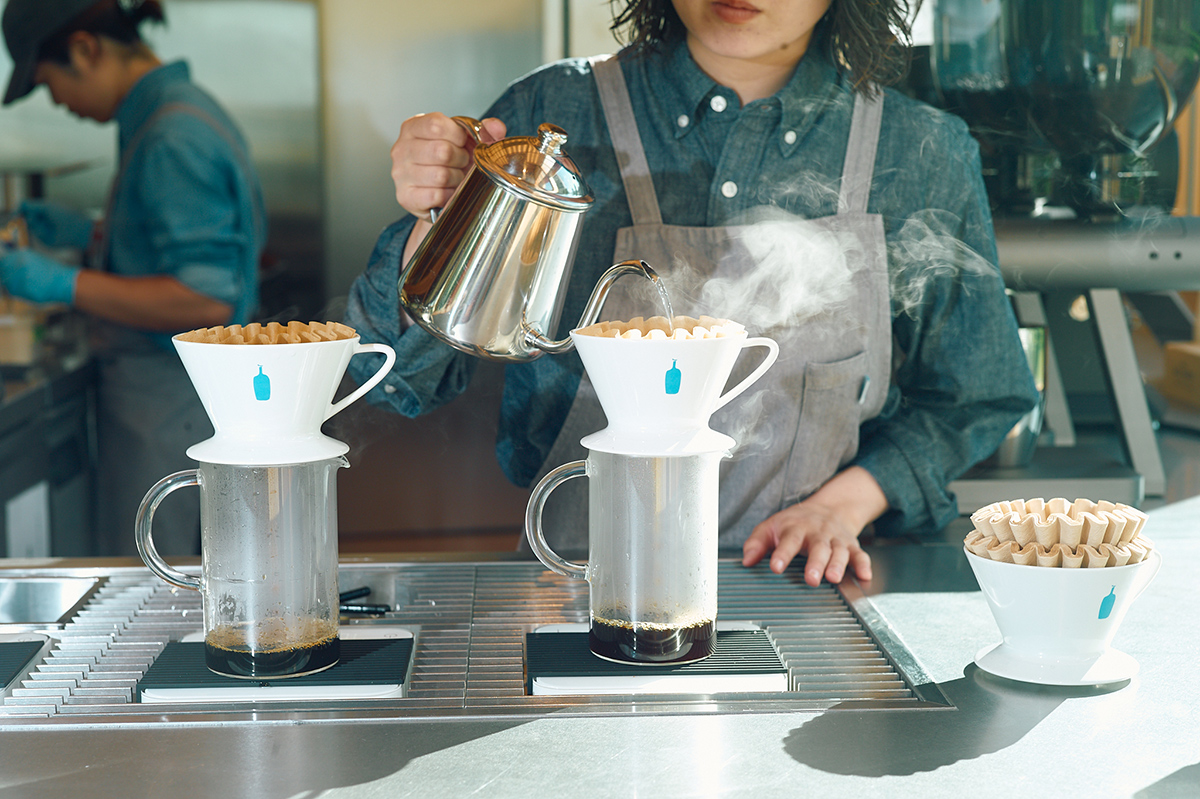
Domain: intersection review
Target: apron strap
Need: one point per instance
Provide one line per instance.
(859, 167)
(622, 129)
(97, 254)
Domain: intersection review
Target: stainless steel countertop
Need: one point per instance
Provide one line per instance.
(1004, 739)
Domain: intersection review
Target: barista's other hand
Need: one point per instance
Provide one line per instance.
(431, 157)
(812, 528)
(56, 225)
(826, 526)
(37, 278)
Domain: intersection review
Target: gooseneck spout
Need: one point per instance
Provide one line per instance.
(592, 310)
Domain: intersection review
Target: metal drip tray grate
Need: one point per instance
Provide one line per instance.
(470, 622)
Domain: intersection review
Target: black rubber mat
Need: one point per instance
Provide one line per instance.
(567, 654)
(381, 661)
(14, 657)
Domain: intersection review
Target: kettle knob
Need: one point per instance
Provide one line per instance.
(551, 138)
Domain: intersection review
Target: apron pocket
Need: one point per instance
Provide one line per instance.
(827, 435)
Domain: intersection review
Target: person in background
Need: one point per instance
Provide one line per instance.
(177, 248)
(728, 107)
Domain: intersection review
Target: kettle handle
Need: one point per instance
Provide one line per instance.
(475, 128)
(533, 520)
(472, 126)
(592, 310)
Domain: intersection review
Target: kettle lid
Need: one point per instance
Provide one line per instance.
(536, 168)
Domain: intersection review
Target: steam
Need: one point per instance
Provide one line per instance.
(928, 250)
(805, 271)
(742, 421)
(802, 269)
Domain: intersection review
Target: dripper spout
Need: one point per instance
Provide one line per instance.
(592, 310)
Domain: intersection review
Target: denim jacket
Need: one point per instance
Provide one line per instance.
(189, 203)
(960, 379)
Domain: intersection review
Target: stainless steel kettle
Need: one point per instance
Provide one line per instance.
(490, 277)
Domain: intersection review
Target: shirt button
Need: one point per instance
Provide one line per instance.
(682, 121)
(729, 189)
(789, 137)
(717, 103)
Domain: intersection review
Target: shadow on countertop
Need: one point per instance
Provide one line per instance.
(266, 762)
(1182, 784)
(990, 714)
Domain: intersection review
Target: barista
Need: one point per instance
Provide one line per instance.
(874, 409)
(177, 249)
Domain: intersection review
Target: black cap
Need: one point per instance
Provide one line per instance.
(27, 25)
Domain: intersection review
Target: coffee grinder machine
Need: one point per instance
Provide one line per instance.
(1073, 103)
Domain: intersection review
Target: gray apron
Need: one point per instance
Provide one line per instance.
(147, 414)
(800, 421)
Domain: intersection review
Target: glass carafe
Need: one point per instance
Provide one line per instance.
(269, 575)
(652, 553)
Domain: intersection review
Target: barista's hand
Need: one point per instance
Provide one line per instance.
(37, 278)
(56, 225)
(432, 157)
(825, 526)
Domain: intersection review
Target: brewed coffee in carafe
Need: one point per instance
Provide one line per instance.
(652, 557)
(269, 577)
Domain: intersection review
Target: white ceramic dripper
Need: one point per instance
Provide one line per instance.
(1058, 624)
(267, 401)
(658, 394)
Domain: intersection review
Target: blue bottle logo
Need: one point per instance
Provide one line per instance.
(673, 378)
(1106, 604)
(262, 386)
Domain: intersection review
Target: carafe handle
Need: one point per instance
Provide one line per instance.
(533, 520)
(145, 519)
(389, 358)
(772, 354)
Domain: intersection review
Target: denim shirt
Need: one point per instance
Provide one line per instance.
(960, 379)
(189, 203)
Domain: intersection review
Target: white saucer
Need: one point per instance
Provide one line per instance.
(1111, 667)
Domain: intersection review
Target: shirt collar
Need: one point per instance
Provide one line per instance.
(146, 96)
(814, 85)
(684, 84)
(685, 88)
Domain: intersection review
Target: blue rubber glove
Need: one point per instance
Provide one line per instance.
(37, 278)
(56, 225)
